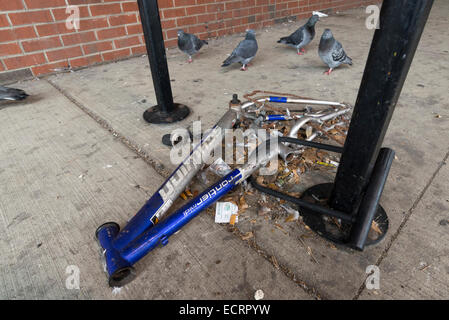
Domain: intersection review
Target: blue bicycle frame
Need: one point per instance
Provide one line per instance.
(119, 258)
(121, 247)
(119, 261)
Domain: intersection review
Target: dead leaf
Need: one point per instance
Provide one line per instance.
(294, 194)
(275, 262)
(280, 228)
(308, 131)
(247, 236)
(425, 267)
(260, 180)
(263, 210)
(295, 177)
(375, 227)
(243, 205)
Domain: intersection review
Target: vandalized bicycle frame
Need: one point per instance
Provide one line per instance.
(148, 228)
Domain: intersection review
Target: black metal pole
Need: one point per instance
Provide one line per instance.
(166, 111)
(392, 50)
(370, 204)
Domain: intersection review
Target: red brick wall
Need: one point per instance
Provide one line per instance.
(34, 37)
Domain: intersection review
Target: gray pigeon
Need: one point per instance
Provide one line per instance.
(303, 36)
(244, 52)
(11, 94)
(331, 52)
(189, 43)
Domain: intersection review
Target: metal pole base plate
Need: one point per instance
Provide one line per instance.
(156, 115)
(331, 228)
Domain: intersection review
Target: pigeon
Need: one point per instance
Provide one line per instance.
(331, 52)
(244, 52)
(303, 36)
(189, 43)
(11, 94)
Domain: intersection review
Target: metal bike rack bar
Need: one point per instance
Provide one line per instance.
(354, 196)
(166, 111)
(392, 50)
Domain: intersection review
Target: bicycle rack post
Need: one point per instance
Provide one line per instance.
(166, 111)
(392, 50)
(353, 199)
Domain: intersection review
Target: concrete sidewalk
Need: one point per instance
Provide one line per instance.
(73, 154)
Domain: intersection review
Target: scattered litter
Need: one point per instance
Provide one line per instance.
(61, 69)
(203, 177)
(375, 227)
(278, 226)
(309, 131)
(189, 193)
(116, 290)
(225, 211)
(309, 250)
(423, 266)
(275, 262)
(220, 168)
(294, 214)
(242, 205)
(263, 211)
(107, 166)
(247, 187)
(247, 236)
(326, 164)
(259, 295)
